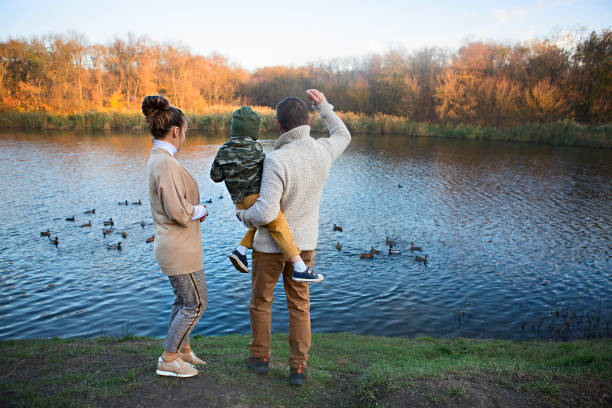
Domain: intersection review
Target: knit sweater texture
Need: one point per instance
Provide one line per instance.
(292, 182)
(174, 193)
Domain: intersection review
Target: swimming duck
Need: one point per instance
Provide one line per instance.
(399, 186)
(337, 228)
(374, 251)
(209, 201)
(389, 242)
(124, 234)
(221, 197)
(123, 202)
(338, 246)
(93, 211)
(70, 218)
(54, 241)
(86, 225)
(109, 222)
(151, 238)
(142, 224)
(415, 248)
(105, 232)
(46, 233)
(114, 246)
(421, 259)
(394, 251)
(366, 255)
(137, 202)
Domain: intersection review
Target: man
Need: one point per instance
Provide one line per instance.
(292, 182)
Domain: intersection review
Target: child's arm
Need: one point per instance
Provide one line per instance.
(216, 172)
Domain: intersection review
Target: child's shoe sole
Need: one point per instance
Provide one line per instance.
(320, 279)
(238, 265)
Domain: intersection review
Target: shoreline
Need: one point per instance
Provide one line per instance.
(344, 370)
(218, 120)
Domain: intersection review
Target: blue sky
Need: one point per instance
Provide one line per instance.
(255, 34)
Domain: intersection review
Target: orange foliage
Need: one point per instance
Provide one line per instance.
(482, 83)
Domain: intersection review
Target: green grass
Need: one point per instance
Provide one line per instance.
(217, 120)
(343, 368)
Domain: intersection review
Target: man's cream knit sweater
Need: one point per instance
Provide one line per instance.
(292, 182)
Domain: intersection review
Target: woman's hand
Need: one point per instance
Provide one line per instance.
(205, 214)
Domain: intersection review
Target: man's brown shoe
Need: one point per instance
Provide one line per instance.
(257, 364)
(297, 375)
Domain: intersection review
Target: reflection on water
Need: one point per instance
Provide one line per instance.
(517, 238)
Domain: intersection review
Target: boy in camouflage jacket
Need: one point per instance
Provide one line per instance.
(239, 162)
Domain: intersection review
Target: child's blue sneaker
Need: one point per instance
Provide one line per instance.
(307, 276)
(240, 261)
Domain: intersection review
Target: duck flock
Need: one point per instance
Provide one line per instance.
(108, 227)
(393, 250)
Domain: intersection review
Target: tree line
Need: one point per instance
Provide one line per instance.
(482, 83)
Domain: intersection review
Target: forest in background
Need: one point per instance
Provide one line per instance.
(482, 83)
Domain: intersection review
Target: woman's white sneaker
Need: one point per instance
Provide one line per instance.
(175, 368)
(191, 358)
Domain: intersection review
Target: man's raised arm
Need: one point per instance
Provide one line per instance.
(339, 136)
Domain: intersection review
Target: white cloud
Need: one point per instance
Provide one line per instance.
(505, 16)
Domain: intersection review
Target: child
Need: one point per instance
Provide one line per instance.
(239, 162)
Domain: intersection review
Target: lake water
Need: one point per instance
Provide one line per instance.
(518, 238)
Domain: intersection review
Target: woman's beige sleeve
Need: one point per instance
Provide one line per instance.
(173, 196)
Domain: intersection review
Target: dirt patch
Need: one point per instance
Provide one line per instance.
(491, 390)
(199, 391)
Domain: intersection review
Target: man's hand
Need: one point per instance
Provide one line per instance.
(239, 215)
(316, 97)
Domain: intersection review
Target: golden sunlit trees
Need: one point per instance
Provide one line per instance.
(483, 83)
(546, 101)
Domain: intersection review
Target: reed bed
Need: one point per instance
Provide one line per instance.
(217, 119)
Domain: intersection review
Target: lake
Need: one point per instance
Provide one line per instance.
(518, 239)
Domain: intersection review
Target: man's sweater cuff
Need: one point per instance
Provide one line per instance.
(324, 108)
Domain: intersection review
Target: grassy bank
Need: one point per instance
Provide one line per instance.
(217, 120)
(344, 370)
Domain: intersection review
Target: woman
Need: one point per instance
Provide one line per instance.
(175, 198)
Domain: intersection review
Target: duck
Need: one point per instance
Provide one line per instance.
(209, 201)
(338, 246)
(114, 246)
(374, 251)
(389, 242)
(221, 197)
(86, 225)
(399, 186)
(151, 238)
(337, 228)
(54, 241)
(109, 222)
(366, 255)
(92, 211)
(70, 218)
(123, 202)
(394, 251)
(137, 202)
(414, 248)
(142, 224)
(421, 259)
(105, 232)
(46, 233)
(124, 234)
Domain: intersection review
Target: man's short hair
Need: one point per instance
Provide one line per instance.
(291, 112)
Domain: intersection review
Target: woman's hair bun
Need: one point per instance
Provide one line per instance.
(153, 103)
